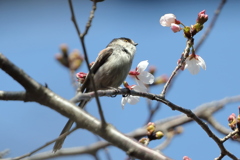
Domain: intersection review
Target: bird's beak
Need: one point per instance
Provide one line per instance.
(135, 44)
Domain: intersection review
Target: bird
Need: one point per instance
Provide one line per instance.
(109, 70)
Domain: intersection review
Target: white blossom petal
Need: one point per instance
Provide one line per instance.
(192, 66)
(146, 77)
(140, 88)
(194, 69)
(140, 83)
(142, 66)
(124, 101)
(133, 99)
(202, 63)
(167, 19)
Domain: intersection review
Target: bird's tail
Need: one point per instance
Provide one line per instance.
(58, 144)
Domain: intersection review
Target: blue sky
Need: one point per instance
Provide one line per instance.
(32, 31)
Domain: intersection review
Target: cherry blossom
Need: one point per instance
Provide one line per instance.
(129, 98)
(167, 20)
(193, 63)
(141, 76)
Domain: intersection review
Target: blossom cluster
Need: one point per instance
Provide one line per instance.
(170, 20)
(193, 62)
(72, 61)
(234, 123)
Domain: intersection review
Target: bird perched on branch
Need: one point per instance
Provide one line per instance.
(109, 70)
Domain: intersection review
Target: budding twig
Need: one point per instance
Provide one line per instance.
(81, 37)
(213, 22)
(229, 135)
(94, 7)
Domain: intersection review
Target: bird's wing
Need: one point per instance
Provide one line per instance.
(101, 59)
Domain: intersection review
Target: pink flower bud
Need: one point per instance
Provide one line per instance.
(202, 17)
(175, 28)
(232, 121)
(231, 118)
(186, 158)
(81, 76)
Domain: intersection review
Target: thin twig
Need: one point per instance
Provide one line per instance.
(105, 149)
(47, 144)
(211, 120)
(81, 37)
(210, 27)
(204, 126)
(220, 157)
(90, 18)
(186, 52)
(152, 111)
(90, 150)
(229, 135)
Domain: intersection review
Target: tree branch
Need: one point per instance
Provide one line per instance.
(163, 125)
(14, 96)
(91, 150)
(17, 74)
(190, 114)
(46, 97)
